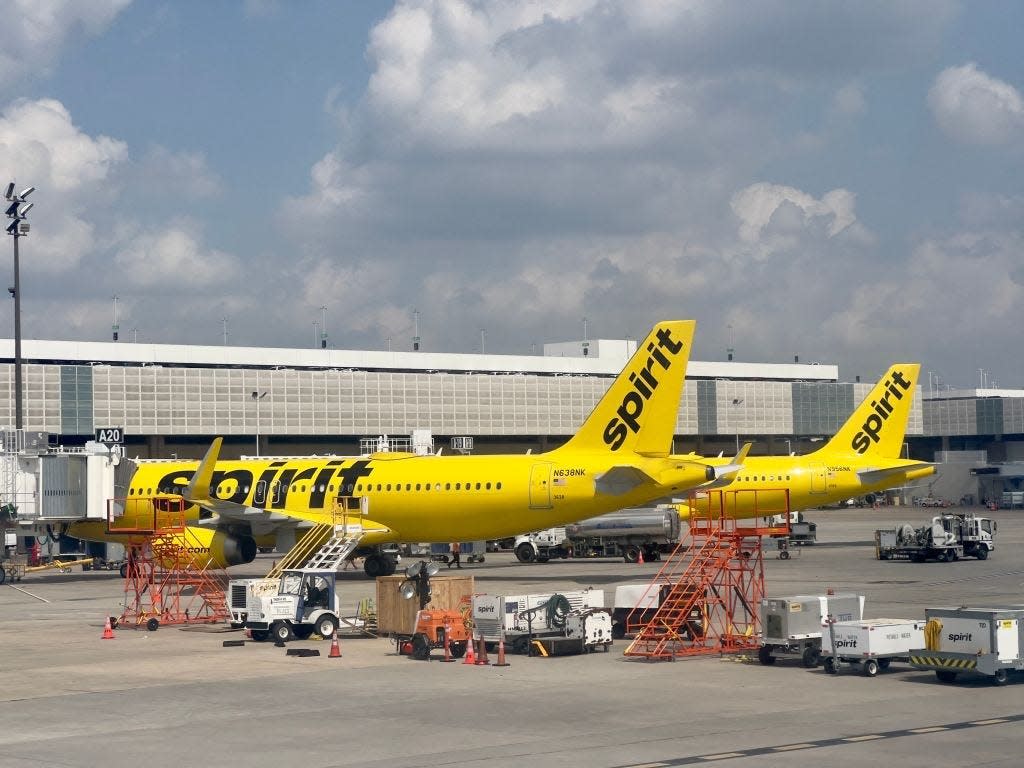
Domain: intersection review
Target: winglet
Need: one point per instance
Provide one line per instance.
(198, 489)
(724, 473)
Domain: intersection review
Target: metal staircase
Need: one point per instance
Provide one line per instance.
(710, 588)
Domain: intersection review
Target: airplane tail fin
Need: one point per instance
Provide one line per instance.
(878, 425)
(638, 412)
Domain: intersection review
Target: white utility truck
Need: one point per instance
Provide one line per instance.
(869, 644)
(792, 625)
(986, 641)
(947, 538)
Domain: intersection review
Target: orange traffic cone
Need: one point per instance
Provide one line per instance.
(481, 657)
(469, 658)
(108, 631)
(501, 653)
(640, 557)
(335, 647)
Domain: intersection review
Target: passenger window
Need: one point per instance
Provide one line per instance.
(497, 487)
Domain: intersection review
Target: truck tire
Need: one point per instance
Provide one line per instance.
(945, 675)
(830, 665)
(811, 657)
(631, 554)
(281, 631)
(870, 667)
(764, 655)
(525, 553)
(981, 552)
(457, 649)
(950, 556)
(326, 626)
(420, 647)
(1000, 677)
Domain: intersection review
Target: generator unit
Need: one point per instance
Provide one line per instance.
(518, 618)
(792, 625)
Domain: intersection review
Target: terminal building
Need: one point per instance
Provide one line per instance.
(169, 401)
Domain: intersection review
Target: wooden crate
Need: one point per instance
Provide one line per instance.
(397, 616)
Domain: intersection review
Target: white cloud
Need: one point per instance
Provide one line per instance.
(790, 212)
(178, 173)
(34, 32)
(174, 259)
(975, 108)
(39, 142)
(40, 146)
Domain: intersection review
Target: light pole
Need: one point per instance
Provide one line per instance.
(18, 227)
(256, 397)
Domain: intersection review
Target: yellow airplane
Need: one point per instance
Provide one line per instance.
(862, 458)
(619, 458)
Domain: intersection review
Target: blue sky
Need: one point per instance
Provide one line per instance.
(838, 181)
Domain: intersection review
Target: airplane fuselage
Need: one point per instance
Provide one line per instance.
(422, 498)
(768, 485)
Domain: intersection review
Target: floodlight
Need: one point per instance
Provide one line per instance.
(414, 570)
(432, 569)
(26, 192)
(408, 589)
(10, 191)
(12, 209)
(24, 209)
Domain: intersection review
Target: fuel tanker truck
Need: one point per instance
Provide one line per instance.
(628, 533)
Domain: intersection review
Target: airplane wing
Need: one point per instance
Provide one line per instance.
(198, 492)
(872, 476)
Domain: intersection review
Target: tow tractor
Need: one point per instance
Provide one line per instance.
(302, 602)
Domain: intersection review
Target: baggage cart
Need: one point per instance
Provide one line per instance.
(792, 625)
(984, 641)
(869, 645)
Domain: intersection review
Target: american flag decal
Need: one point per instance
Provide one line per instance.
(560, 481)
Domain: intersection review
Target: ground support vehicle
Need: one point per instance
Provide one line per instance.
(636, 604)
(801, 532)
(586, 630)
(519, 619)
(12, 569)
(301, 602)
(432, 629)
(628, 533)
(792, 625)
(869, 645)
(986, 641)
(947, 538)
(469, 552)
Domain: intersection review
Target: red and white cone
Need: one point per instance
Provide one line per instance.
(640, 557)
(470, 657)
(108, 631)
(335, 647)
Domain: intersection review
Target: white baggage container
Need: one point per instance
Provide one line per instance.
(792, 625)
(870, 643)
(988, 641)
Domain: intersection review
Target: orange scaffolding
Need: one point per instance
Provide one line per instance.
(170, 577)
(710, 588)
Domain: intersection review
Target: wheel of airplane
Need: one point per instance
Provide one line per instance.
(374, 566)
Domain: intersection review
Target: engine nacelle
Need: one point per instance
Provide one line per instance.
(230, 549)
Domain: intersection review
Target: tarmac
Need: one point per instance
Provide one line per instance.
(178, 697)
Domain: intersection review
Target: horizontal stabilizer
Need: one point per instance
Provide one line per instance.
(872, 476)
(619, 480)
